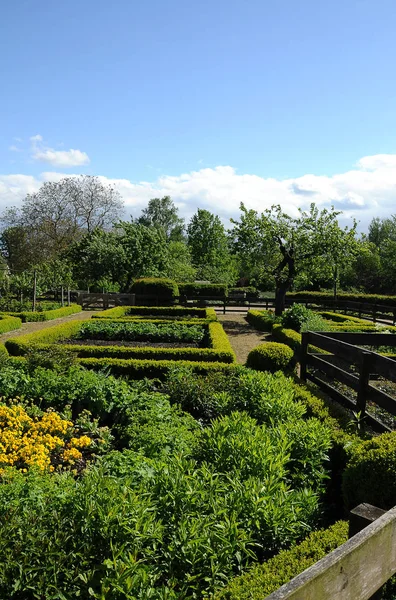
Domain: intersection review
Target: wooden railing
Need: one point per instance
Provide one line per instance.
(354, 571)
(358, 366)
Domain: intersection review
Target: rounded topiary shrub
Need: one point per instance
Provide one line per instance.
(271, 356)
(370, 475)
(165, 290)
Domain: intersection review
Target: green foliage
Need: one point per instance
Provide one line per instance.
(164, 289)
(57, 358)
(152, 369)
(287, 336)
(270, 356)
(300, 318)
(370, 475)
(157, 312)
(48, 315)
(261, 319)
(163, 214)
(180, 266)
(265, 396)
(141, 331)
(203, 289)
(209, 247)
(261, 580)
(9, 323)
(321, 297)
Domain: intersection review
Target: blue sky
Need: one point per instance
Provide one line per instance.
(213, 102)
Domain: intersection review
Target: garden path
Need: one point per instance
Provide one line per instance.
(243, 337)
(31, 327)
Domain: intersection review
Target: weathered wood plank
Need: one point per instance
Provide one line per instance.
(364, 338)
(336, 346)
(354, 571)
(333, 371)
(382, 399)
(382, 365)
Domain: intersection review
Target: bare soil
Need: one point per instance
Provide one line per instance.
(243, 337)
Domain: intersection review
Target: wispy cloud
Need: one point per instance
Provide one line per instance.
(57, 158)
(366, 191)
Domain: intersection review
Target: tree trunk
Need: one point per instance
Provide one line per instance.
(280, 296)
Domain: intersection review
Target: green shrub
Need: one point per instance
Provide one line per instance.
(261, 580)
(203, 289)
(261, 319)
(370, 475)
(251, 292)
(162, 288)
(270, 356)
(328, 298)
(48, 315)
(300, 318)
(157, 312)
(287, 336)
(264, 396)
(152, 369)
(9, 323)
(339, 318)
(141, 331)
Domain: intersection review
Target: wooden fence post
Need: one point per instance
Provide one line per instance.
(359, 518)
(303, 357)
(364, 378)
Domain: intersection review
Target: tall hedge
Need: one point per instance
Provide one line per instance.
(164, 289)
(320, 297)
(218, 290)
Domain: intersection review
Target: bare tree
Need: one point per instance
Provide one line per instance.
(60, 213)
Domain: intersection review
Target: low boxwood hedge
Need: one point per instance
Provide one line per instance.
(320, 297)
(271, 356)
(370, 475)
(9, 323)
(340, 318)
(151, 369)
(260, 319)
(287, 336)
(157, 312)
(47, 315)
(219, 350)
(261, 580)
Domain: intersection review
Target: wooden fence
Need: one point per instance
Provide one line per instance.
(354, 571)
(361, 365)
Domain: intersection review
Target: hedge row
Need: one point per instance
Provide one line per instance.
(166, 289)
(203, 289)
(47, 315)
(219, 350)
(320, 297)
(260, 319)
(152, 369)
(340, 318)
(157, 311)
(271, 356)
(9, 323)
(261, 580)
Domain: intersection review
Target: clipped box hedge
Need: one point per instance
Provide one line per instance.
(152, 369)
(320, 297)
(270, 356)
(218, 290)
(260, 319)
(9, 323)
(47, 315)
(120, 312)
(261, 580)
(219, 349)
(370, 475)
(163, 288)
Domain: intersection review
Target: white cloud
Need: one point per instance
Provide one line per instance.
(57, 158)
(14, 149)
(366, 191)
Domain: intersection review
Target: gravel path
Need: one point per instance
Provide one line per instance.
(31, 327)
(243, 337)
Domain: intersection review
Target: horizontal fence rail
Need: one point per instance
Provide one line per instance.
(324, 353)
(376, 312)
(354, 571)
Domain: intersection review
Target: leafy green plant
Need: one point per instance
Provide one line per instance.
(301, 318)
(270, 356)
(153, 332)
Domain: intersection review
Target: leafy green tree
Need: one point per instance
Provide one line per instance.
(162, 213)
(180, 266)
(284, 246)
(382, 233)
(209, 247)
(364, 271)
